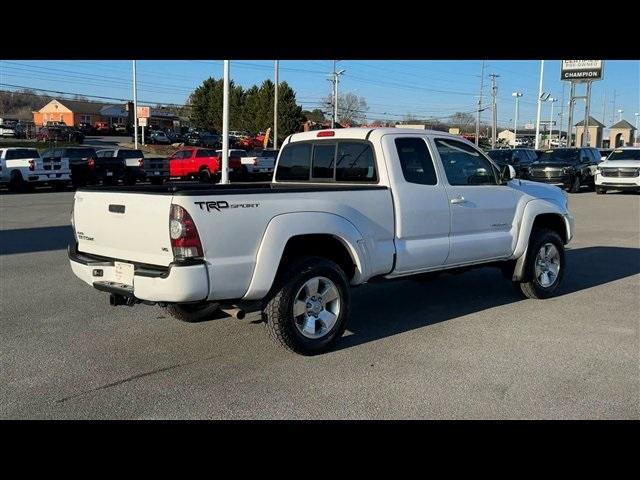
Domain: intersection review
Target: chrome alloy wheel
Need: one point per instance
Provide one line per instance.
(316, 307)
(547, 265)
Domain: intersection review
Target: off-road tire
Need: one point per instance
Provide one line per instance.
(277, 312)
(530, 286)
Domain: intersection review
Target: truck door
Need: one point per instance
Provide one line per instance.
(482, 210)
(420, 202)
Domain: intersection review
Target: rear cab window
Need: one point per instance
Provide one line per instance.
(130, 154)
(341, 161)
(22, 153)
(206, 153)
(415, 161)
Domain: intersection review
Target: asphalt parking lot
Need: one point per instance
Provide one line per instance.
(462, 346)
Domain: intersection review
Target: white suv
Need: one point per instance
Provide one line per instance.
(620, 171)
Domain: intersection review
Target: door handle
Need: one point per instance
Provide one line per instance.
(458, 200)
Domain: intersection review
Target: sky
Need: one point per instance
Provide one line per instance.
(392, 89)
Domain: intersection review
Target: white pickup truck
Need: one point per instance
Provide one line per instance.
(255, 163)
(345, 207)
(24, 167)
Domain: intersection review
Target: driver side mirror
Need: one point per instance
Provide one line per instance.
(508, 173)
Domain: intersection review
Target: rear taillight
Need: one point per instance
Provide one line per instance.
(185, 240)
(32, 165)
(141, 163)
(91, 163)
(73, 224)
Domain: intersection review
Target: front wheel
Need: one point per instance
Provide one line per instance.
(575, 185)
(308, 308)
(545, 265)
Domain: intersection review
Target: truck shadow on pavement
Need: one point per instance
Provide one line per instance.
(40, 239)
(382, 310)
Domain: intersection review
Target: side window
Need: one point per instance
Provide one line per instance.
(355, 163)
(415, 160)
(464, 165)
(294, 163)
(207, 153)
(323, 161)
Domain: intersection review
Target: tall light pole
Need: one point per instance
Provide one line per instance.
(539, 104)
(275, 110)
(552, 100)
(620, 112)
(515, 121)
(224, 178)
(135, 108)
(494, 103)
(336, 75)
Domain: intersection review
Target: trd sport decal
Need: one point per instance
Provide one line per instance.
(222, 204)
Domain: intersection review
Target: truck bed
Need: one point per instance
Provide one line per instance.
(199, 189)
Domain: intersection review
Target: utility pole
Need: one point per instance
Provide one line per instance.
(494, 94)
(539, 104)
(613, 110)
(224, 178)
(572, 101)
(552, 100)
(604, 108)
(275, 110)
(479, 104)
(587, 106)
(135, 108)
(561, 115)
(336, 74)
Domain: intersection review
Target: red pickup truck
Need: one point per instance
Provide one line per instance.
(202, 163)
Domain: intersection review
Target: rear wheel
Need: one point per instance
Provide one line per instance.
(307, 310)
(129, 179)
(545, 265)
(205, 175)
(16, 182)
(193, 312)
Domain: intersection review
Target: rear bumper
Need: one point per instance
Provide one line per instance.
(177, 283)
(258, 169)
(48, 177)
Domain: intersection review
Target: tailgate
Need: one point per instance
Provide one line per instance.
(156, 164)
(266, 162)
(125, 226)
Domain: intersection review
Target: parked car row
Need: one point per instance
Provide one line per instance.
(80, 166)
(59, 133)
(574, 168)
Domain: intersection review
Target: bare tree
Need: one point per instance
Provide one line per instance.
(464, 121)
(352, 109)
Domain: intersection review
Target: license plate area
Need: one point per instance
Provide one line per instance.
(124, 273)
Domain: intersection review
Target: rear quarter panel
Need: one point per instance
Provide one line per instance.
(232, 236)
